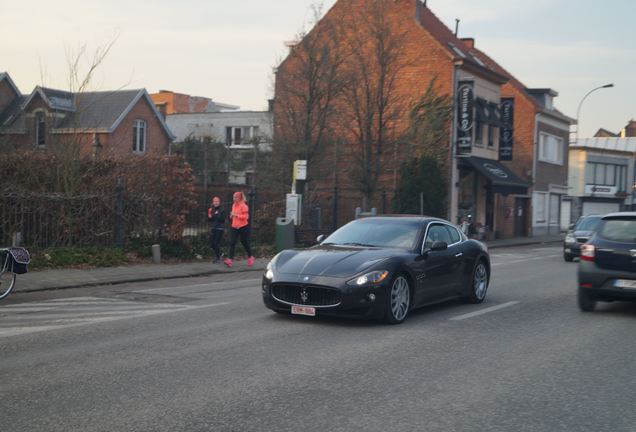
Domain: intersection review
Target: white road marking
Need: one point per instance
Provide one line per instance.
(484, 311)
(178, 289)
(18, 319)
(525, 259)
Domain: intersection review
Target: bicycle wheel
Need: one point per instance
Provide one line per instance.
(7, 278)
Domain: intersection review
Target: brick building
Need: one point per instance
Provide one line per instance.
(169, 102)
(540, 137)
(94, 124)
(481, 185)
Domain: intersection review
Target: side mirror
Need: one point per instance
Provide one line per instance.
(321, 238)
(571, 227)
(439, 246)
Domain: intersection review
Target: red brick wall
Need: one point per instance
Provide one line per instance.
(120, 142)
(117, 144)
(424, 58)
(523, 135)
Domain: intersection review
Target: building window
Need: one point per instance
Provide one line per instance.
(540, 206)
(551, 149)
(600, 174)
(241, 135)
(139, 136)
(40, 130)
(479, 131)
(492, 135)
(555, 205)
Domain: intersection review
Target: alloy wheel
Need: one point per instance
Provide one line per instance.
(480, 281)
(400, 298)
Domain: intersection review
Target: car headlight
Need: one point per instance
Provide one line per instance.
(269, 270)
(372, 278)
(570, 239)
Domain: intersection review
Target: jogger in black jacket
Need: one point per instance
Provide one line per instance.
(216, 219)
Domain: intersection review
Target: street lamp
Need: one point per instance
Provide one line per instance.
(578, 111)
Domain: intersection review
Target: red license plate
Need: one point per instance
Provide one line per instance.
(303, 310)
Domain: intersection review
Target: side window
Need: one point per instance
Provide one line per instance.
(454, 235)
(435, 233)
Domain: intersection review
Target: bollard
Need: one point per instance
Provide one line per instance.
(156, 254)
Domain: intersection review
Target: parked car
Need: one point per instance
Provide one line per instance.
(607, 270)
(579, 233)
(379, 267)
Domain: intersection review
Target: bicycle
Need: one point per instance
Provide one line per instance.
(13, 261)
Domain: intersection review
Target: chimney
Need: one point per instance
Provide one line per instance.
(630, 129)
(469, 42)
(162, 108)
(270, 105)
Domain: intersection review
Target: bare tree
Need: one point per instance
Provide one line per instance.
(429, 123)
(308, 83)
(81, 72)
(373, 103)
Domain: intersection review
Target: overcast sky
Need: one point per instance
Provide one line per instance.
(226, 49)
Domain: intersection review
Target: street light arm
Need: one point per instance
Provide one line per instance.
(578, 110)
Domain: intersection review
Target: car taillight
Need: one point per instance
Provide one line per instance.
(588, 252)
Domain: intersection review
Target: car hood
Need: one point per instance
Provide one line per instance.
(582, 233)
(331, 261)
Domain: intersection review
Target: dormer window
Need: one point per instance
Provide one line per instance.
(139, 136)
(40, 130)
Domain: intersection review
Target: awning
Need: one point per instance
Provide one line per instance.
(502, 180)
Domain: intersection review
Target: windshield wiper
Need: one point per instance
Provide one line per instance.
(358, 244)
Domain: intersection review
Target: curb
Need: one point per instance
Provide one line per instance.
(212, 272)
(528, 243)
(17, 290)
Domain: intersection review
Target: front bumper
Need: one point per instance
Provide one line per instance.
(599, 282)
(573, 249)
(355, 302)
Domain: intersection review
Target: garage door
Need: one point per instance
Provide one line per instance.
(599, 208)
(566, 214)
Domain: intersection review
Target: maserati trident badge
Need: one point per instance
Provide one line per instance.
(304, 296)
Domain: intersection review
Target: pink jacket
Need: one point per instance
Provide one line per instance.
(241, 214)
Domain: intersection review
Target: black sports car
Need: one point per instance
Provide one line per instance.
(379, 267)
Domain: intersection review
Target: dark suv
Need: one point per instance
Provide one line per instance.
(579, 233)
(607, 271)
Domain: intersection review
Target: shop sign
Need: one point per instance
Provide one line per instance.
(465, 113)
(600, 190)
(507, 130)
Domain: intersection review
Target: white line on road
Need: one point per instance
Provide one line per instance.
(484, 311)
(241, 281)
(525, 259)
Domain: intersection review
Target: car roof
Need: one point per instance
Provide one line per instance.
(620, 214)
(408, 217)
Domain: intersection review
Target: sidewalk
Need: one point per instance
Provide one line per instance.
(75, 278)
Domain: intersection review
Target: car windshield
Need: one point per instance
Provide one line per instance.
(390, 233)
(619, 230)
(587, 224)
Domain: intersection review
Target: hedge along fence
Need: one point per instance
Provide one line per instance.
(51, 202)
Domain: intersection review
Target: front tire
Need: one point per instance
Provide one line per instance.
(586, 301)
(7, 282)
(568, 257)
(398, 301)
(478, 283)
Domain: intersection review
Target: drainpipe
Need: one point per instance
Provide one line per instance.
(452, 190)
(535, 152)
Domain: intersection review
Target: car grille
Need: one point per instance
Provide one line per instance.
(582, 240)
(309, 295)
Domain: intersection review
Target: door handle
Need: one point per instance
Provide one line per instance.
(457, 255)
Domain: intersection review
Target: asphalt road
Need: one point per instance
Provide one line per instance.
(205, 355)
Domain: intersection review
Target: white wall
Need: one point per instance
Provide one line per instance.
(213, 125)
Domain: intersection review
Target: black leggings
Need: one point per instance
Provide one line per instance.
(215, 241)
(244, 234)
